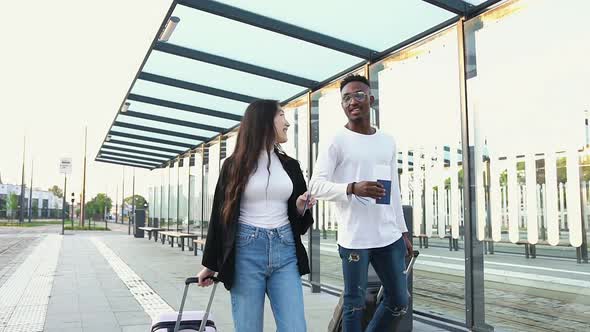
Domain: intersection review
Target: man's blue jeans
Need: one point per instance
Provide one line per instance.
(389, 263)
(266, 265)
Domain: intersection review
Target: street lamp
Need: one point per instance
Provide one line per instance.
(169, 29)
(125, 107)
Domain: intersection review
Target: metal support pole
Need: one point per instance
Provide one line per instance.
(178, 192)
(82, 203)
(72, 208)
(31, 193)
(584, 247)
(188, 207)
(123, 199)
(21, 217)
(314, 234)
(117, 206)
(105, 217)
(63, 208)
(474, 269)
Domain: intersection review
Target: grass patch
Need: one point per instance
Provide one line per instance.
(29, 224)
(99, 226)
(85, 228)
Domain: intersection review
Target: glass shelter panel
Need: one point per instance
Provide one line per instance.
(528, 106)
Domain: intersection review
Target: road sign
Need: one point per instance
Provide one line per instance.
(65, 166)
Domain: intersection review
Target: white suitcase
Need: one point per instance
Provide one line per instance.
(189, 321)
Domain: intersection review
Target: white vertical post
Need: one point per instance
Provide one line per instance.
(542, 204)
(428, 192)
(404, 178)
(495, 199)
(574, 212)
(551, 200)
(417, 188)
(561, 189)
(531, 199)
(585, 202)
(513, 200)
(440, 180)
(456, 199)
(480, 191)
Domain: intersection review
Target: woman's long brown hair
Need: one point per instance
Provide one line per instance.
(256, 134)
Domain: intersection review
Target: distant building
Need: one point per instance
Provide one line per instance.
(44, 202)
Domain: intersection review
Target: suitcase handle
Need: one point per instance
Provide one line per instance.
(187, 282)
(195, 280)
(415, 255)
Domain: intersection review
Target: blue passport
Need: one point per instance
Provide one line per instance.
(387, 198)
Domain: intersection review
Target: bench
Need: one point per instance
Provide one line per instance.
(179, 236)
(530, 250)
(197, 242)
(422, 240)
(453, 243)
(151, 230)
(579, 253)
(488, 246)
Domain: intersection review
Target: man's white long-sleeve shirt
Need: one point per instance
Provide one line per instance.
(353, 157)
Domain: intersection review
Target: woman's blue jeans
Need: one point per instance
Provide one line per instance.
(266, 265)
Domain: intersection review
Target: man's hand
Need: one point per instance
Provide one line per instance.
(409, 246)
(370, 189)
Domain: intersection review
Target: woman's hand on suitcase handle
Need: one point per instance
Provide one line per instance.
(204, 280)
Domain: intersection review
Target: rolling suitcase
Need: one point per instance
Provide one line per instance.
(189, 321)
(373, 297)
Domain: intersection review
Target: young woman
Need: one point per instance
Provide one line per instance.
(257, 219)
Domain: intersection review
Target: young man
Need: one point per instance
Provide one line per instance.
(371, 226)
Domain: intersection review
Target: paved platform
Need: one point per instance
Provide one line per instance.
(109, 281)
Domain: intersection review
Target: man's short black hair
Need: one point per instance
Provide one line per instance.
(354, 78)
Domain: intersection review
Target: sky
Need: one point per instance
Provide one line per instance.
(67, 65)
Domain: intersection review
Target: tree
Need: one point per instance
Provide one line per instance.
(459, 180)
(98, 205)
(57, 191)
(139, 201)
(12, 203)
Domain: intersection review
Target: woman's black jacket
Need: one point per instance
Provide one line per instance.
(219, 254)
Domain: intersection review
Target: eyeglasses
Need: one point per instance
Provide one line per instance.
(359, 96)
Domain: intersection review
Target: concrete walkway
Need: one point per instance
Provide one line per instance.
(109, 281)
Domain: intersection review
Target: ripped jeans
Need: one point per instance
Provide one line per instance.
(389, 263)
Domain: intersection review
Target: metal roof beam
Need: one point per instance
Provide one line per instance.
(184, 107)
(118, 148)
(154, 140)
(458, 7)
(287, 29)
(124, 163)
(104, 153)
(233, 64)
(144, 146)
(158, 131)
(196, 87)
(173, 121)
(130, 160)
